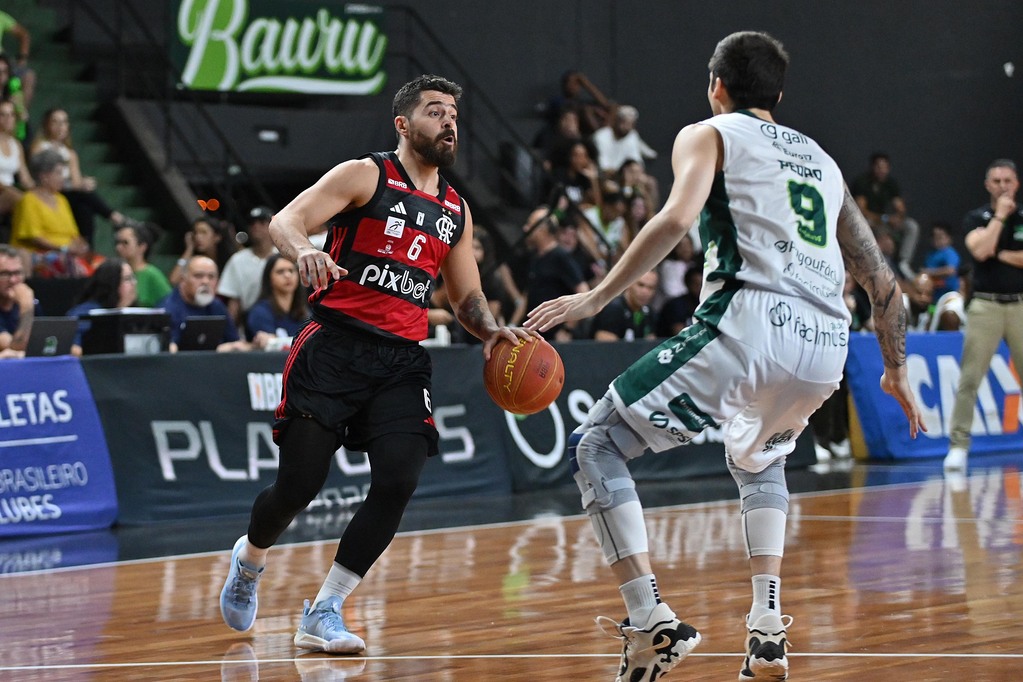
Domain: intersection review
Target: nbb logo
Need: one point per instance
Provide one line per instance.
(997, 410)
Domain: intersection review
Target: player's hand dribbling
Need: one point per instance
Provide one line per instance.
(316, 268)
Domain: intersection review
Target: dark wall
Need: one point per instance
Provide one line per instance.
(922, 80)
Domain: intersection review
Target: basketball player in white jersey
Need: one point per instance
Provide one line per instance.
(767, 346)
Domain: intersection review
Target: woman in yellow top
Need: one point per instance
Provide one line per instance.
(42, 218)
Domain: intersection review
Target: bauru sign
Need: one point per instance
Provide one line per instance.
(303, 46)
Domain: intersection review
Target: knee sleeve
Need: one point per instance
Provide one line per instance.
(765, 504)
(598, 458)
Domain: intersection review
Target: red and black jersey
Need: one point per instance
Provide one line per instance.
(393, 248)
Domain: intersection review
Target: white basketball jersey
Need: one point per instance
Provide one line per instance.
(770, 220)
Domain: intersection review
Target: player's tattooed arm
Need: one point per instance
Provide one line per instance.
(474, 314)
(865, 261)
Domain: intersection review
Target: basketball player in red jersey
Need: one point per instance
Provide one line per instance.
(356, 374)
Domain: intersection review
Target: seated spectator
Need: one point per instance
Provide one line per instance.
(889, 250)
(577, 175)
(210, 237)
(240, 284)
(12, 90)
(17, 304)
(507, 303)
(919, 302)
(196, 296)
(594, 110)
(677, 313)
(13, 168)
(629, 316)
(553, 142)
(282, 308)
(593, 267)
(80, 190)
(133, 244)
(606, 234)
(942, 261)
(44, 225)
(672, 270)
(949, 313)
(633, 180)
(552, 270)
(112, 285)
(879, 197)
(619, 143)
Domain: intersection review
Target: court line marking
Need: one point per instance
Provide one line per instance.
(468, 657)
(37, 441)
(708, 504)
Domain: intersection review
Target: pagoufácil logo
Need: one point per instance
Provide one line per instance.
(266, 46)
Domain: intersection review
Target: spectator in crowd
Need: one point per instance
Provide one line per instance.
(672, 270)
(593, 266)
(606, 230)
(553, 142)
(44, 225)
(133, 244)
(12, 90)
(17, 304)
(593, 111)
(638, 210)
(577, 175)
(552, 270)
(21, 70)
(507, 303)
(919, 298)
(879, 197)
(13, 169)
(620, 142)
(628, 317)
(632, 180)
(80, 190)
(210, 237)
(111, 285)
(677, 313)
(942, 262)
(282, 308)
(950, 308)
(196, 296)
(994, 238)
(239, 286)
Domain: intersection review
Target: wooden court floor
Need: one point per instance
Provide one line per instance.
(906, 581)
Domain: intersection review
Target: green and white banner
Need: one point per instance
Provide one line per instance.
(304, 46)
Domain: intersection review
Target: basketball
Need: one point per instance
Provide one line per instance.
(524, 378)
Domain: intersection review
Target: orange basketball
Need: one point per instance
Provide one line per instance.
(524, 378)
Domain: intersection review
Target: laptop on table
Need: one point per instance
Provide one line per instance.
(51, 336)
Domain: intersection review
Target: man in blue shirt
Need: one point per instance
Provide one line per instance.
(196, 296)
(17, 304)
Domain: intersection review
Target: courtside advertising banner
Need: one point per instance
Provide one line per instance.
(300, 46)
(191, 434)
(55, 471)
(932, 362)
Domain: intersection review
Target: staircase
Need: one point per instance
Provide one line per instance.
(61, 83)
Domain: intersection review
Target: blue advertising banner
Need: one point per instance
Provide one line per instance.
(55, 472)
(932, 361)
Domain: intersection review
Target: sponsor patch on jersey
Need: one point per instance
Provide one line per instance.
(398, 208)
(453, 206)
(395, 227)
(397, 183)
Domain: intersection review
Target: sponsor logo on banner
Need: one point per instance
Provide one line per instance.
(269, 46)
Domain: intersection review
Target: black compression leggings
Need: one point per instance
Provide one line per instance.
(396, 461)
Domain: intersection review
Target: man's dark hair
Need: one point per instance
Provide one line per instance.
(407, 97)
(752, 67)
(877, 156)
(1003, 163)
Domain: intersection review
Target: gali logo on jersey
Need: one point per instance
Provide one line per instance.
(445, 229)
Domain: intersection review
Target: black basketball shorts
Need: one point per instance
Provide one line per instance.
(358, 386)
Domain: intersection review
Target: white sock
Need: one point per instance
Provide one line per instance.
(766, 596)
(252, 555)
(641, 596)
(340, 582)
